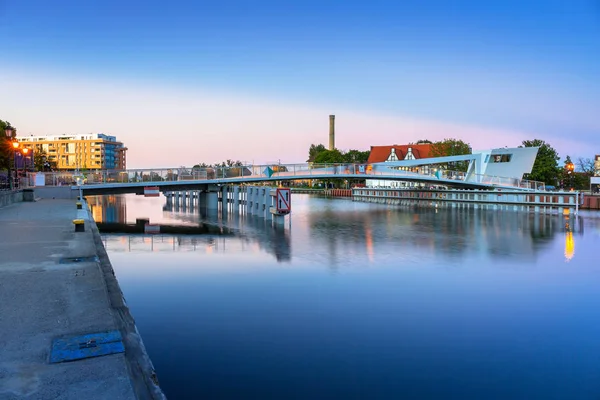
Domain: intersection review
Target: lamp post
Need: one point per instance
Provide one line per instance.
(570, 168)
(8, 131)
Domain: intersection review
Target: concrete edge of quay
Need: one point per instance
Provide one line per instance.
(9, 197)
(142, 374)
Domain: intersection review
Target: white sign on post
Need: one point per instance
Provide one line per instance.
(284, 200)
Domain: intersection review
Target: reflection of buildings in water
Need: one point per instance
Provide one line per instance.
(451, 232)
(108, 208)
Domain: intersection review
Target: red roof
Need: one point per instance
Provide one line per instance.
(381, 153)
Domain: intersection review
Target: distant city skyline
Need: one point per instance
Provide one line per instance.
(188, 82)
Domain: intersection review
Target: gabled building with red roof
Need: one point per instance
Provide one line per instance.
(396, 152)
(399, 152)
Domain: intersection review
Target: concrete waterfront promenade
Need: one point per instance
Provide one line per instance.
(45, 295)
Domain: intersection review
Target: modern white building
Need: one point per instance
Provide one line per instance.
(503, 162)
(501, 165)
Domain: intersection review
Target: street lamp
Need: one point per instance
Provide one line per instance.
(570, 168)
(8, 131)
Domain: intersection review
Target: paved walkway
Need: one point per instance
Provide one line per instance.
(42, 299)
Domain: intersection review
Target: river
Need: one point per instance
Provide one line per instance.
(362, 301)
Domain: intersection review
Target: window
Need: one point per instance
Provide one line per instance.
(500, 158)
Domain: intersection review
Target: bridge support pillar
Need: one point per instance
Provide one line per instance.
(212, 200)
(225, 198)
(248, 197)
(254, 200)
(236, 199)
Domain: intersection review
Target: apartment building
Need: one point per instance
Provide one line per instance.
(76, 152)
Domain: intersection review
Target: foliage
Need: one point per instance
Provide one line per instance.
(5, 147)
(581, 181)
(329, 157)
(356, 156)
(319, 154)
(424, 141)
(41, 162)
(223, 164)
(545, 168)
(314, 151)
(451, 147)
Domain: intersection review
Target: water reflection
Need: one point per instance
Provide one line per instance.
(453, 304)
(450, 233)
(338, 230)
(110, 208)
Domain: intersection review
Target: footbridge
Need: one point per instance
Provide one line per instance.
(181, 179)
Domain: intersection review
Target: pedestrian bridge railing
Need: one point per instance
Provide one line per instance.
(254, 173)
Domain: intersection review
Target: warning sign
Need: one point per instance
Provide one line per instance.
(284, 200)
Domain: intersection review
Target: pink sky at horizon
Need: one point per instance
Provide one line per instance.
(168, 126)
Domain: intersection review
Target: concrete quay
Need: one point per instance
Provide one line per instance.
(57, 283)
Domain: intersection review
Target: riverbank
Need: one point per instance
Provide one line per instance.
(56, 283)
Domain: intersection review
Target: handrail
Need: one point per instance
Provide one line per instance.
(274, 171)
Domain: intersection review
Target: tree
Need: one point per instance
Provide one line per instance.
(545, 168)
(40, 161)
(329, 157)
(5, 146)
(451, 147)
(424, 141)
(586, 165)
(356, 156)
(314, 151)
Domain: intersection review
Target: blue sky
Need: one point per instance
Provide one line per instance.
(392, 72)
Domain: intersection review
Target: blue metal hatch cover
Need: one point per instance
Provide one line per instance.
(86, 346)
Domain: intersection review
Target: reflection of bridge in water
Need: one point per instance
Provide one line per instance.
(255, 236)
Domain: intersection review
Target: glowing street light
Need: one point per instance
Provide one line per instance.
(570, 168)
(9, 131)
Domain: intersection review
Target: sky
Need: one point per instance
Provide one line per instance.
(184, 82)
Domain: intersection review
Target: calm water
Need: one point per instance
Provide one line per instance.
(359, 301)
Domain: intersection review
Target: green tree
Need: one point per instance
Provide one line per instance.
(424, 141)
(329, 157)
(5, 146)
(356, 156)
(314, 151)
(545, 168)
(40, 161)
(451, 147)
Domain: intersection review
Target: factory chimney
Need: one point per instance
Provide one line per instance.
(331, 132)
